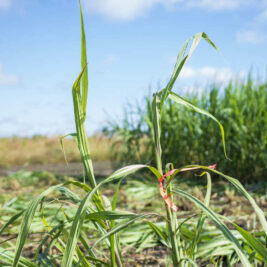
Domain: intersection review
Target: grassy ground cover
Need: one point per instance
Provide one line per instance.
(141, 246)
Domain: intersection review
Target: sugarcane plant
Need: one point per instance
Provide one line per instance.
(73, 239)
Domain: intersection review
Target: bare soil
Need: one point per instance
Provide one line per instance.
(103, 168)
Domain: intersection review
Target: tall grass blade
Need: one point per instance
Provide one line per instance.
(201, 220)
(74, 135)
(181, 60)
(83, 65)
(156, 128)
(177, 69)
(80, 131)
(113, 245)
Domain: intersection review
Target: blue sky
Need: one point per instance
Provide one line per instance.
(131, 45)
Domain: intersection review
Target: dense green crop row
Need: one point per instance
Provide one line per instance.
(189, 137)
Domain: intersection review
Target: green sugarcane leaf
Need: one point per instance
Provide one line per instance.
(189, 260)
(181, 60)
(253, 242)
(201, 220)
(83, 65)
(109, 215)
(8, 256)
(26, 223)
(219, 223)
(11, 220)
(74, 135)
(162, 236)
(81, 212)
(156, 128)
(116, 230)
(180, 100)
(243, 191)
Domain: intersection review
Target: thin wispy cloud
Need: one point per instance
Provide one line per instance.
(211, 74)
(251, 36)
(262, 17)
(7, 79)
(121, 9)
(218, 5)
(131, 9)
(111, 58)
(5, 3)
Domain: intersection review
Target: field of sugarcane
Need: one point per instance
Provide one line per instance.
(241, 107)
(161, 212)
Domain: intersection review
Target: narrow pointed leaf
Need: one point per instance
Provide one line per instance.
(7, 257)
(219, 223)
(177, 69)
(162, 236)
(83, 65)
(80, 130)
(11, 220)
(243, 191)
(179, 100)
(121, 226)
(74, 135)
(116, 230)
(81, 212)
(156, 127)
(26, 223)
(202, 218)
(181, 60)
(253, 242)
(109, 215)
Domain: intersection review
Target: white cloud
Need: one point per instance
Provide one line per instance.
(211, 74)
(121, 9)
(130, 9)
(262, 17)
(187, 72)
(217, 4)
(5, 3)
(110, 59)
(7, 79)
(250, 36)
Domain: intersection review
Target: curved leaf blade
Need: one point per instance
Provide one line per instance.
(243, 191)
(109, 215)
(83, 65)
(253, 242)
(81, 212)
(180, 100)
(181, 60)
(26, 223)
(220, 224)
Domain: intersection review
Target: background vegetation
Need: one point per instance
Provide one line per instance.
(189, 137)
(18, 151)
